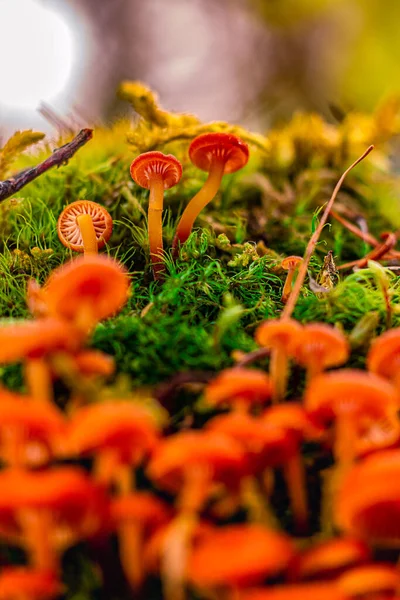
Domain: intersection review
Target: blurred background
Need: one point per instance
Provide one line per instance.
(249, 61)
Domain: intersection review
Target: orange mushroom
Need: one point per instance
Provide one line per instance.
(191, 463)
(157, 172)
(352, 398)
(119, 434)
(31, 342)
(384, 356)
(48, 511)
(367, 503)
(87, 290)
(290, 264)
(137, 517)
(319, 346)
(216, 153)
(29, 432)
(374, 581)
(327, 560)
(278, 335)
(84, 226)
(238, 556)
(239, 387)
(22, 583)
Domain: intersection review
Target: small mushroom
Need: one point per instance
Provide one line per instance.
(119, 434)
(84, 226)
(278, 335)
(384, 356)
(216, 153)
(23, 583)
(137, 517)
(370, 581)
(289, 264)
(48, 511)
(367, 502)
(319, 346)
(87, 290)
(328, 559)
(237, 556)
(157, 172)
(240, 387)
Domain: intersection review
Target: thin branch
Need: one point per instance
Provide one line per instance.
(59, 157)
(375, 254)
(291, 303)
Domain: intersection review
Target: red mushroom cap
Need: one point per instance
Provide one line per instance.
(146, 165)
(247, 385)
(147, 510)
(226, 146)
(320, 342)
(22, 582)
(68, 229)
(302, 591)
(238, 555)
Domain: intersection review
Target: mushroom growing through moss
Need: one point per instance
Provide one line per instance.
(278, 335)
(157, 172)
(216, 153)
(290, 264)
(84, 226)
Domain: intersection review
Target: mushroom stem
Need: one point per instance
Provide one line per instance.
(88, 233)
(36, 527)
(198, 202)
(38, 380)
(257, 504)
(345, 441)
(278, 369)
(130, 539)
(175, 555)
(154, 219)
(287, 288)
(295, 481)
(12, 446)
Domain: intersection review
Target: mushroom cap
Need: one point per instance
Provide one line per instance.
(238, 555)
(367, 580)
(367, 504)
(277, 333)
(180, 453)
(74, 501)
(34, 339)
(228, 147)
(68, 229)
(34, 422)
(384, 354)
(291, 262)
(301, 591)
(264, 446)
(328, 559)
(145, 508)
(247, 385)
(23, 582)
(378, 434)
(121, 425)
(322, 342)
(156, 163)
(94, 362)
(95, 281)
(350, 392)
(291, 417)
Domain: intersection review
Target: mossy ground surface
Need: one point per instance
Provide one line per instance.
(228, 277)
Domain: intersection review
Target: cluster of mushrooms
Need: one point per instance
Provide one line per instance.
(203, 517)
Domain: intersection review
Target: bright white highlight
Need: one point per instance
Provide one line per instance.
(36, 54)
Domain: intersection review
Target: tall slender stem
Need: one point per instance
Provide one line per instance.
(38, 380)
(198, 202)
(88, 233)
(288, 310)
(155, 224)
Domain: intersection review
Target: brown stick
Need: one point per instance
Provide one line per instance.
(375, 254)
(366, 237)
(59, 157)
(291, 303)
